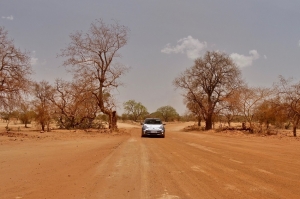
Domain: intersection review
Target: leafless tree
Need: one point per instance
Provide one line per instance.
(230, 106)
(249, 101)
(75, 107)
(42, 92)
(288, 98)
(209, 81)
(15, 70)
(93, 59)
(194, 109)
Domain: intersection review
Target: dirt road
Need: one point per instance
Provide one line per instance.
(182, 165)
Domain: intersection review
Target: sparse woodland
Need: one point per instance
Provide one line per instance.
(213, 90)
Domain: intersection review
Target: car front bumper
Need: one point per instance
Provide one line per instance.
(154, 132)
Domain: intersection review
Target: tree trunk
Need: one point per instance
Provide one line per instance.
(112, 116)
(208, 123)
(229, 123)
(199, 121)
(295, 124)
(114, 120)
(243, 126)
(209, 116)
(48, 127)
(295, 131)
(251, 130)
(43, 127)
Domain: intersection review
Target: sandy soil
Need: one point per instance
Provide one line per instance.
(62, 165)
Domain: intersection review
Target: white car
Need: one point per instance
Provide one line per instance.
(153, 126)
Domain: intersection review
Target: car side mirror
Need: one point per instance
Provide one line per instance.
(142, 123)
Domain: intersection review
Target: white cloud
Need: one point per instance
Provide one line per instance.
(8, 18)
(244, 61)
(34, 59)
(188, 45)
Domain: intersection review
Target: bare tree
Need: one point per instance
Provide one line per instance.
(268, 113)
(288, 98)
(75, 106)
(249, 101)
(195, 110)
(42, 92)
(230, 107)
(213, 78)
(93, 58)
(15, 70)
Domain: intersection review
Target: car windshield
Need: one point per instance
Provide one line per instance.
(152, 121)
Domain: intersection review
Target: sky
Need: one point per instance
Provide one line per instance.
(165, 37)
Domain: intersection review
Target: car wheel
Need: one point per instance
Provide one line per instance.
(162, 136)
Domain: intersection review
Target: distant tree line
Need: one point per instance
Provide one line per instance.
(136, 111)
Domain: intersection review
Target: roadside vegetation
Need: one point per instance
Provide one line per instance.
(214, 92)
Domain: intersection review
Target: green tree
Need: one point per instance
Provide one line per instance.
(155, 115)
(26, 114)
(8, 115)
(135, 110)
(168, 113)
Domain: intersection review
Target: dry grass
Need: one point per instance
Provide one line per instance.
(236, 130)
(17, 132)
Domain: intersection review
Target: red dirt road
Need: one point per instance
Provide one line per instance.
(182, 165)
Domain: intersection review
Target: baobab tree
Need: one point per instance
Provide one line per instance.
(209, 81)
(93, 56)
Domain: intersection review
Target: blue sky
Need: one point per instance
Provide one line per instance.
(261, 36)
